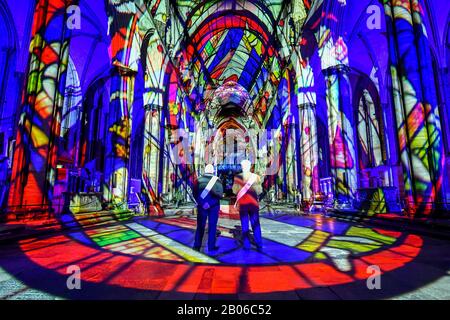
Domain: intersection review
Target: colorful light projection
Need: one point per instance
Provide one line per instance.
(417, 114)
(221, 46)
(131, 27)
(157, 255)
(124, 49)
(188, 50)
(235, 53)
(173, 79)
(34, 164)
(333, 53)
(307, 131)
(340, 134)
(171, 85)
(369, 132)
(155, 62)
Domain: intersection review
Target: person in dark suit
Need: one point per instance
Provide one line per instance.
(247, 187)
(208, 192)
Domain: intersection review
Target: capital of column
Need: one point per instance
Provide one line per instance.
(123, 69)
(152, 107)
(307, 105)
(337, 69)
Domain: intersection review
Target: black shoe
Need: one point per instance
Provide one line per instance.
(196, 248)
(213, 249)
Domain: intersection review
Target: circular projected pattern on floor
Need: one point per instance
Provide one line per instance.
(157, 254)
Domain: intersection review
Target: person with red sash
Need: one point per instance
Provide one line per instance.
(208, 192)
(247, 187)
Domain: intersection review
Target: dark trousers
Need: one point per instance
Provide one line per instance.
(212, 214)
(252, 213)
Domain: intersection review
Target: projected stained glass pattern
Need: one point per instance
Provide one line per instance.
(34, 169)
(418, 124)
(276, 68)
(156, 255)
(170, 239)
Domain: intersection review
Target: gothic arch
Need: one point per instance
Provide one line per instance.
(368, 115)
(8, 49)
(95, 100)
(8, 93)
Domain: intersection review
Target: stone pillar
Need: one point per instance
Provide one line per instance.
(34, 164)
(415, 107)
(291, 163)
(151, 156)
(430, 102)
(309, 150)
(341, 134)
(118, 142)
(151, 148)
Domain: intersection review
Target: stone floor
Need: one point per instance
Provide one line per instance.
(304, 257)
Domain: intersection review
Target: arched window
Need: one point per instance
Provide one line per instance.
(93, 130)
(369, 125)
(9, 94)
(71, 109)
(7, 64)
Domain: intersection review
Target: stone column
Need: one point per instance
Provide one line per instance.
(291, 163)
(415, 105)
(430, 102)
(119, 130)
(151, 156)
(309, 150)
(341, 134)
(35, 156)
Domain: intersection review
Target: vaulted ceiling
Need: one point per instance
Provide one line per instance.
(220, 42)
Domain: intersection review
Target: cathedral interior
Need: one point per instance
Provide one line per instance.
(110, 110)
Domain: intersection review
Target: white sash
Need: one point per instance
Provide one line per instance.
(209, 186)
(206, 191)
(245, 188)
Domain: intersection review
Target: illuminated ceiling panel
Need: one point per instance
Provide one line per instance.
(222, 41)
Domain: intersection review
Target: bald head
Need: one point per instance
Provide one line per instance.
(209, 169)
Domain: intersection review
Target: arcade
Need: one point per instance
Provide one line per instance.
(119, 106)
(110, 111)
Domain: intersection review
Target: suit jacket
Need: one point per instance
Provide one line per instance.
(214, 196)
